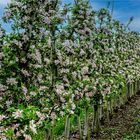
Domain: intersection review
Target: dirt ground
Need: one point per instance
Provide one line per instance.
(124, 125)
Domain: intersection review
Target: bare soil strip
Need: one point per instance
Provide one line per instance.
(124, 124)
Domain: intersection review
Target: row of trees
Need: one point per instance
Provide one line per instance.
(61, 62)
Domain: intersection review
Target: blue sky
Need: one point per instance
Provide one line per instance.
(123, 10)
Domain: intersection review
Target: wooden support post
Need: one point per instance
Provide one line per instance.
(52, 132)
(96, 125)
(108, 111)
(67, 128)
(79, 127)
(85, 132)
(47, 134)
(101, 109)
(128, 91)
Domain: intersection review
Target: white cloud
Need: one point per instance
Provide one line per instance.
(4, 2)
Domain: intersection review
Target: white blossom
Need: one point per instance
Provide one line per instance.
(25, 72)
(28, 137)
(25, 90)
(17, 114)
(2, 88)
(59, 89)
(53, 115)
(8, 103)
(47, 61)
(84, 70)
(82, 52)
(32, 126)
(33, 93)
(67, 43)
(2, 117)
(11, 81)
